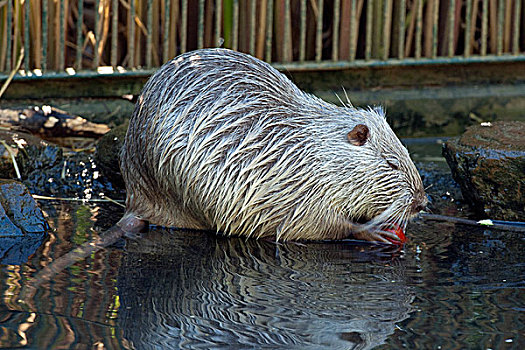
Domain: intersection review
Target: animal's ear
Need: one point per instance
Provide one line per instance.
(359, 135)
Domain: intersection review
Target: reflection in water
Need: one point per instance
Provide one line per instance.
(451, 287)
(190, 289)
(78, 306)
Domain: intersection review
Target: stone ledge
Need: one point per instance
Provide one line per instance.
(488, 162)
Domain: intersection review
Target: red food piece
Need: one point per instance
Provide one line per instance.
(398, 231)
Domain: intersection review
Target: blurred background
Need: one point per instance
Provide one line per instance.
(437, 65)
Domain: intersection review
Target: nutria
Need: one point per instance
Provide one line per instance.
(221, 141)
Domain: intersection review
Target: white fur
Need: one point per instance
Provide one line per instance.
(220, 140)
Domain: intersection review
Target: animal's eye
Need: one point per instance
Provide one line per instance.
(393, 163)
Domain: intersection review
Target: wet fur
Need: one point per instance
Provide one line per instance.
(222, 141)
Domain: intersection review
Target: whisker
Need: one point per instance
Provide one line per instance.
(341, 101)
(349, 105)
(395, 216)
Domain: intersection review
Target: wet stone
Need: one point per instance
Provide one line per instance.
(107, 155)
(488, 162)
(75, 175)
(20, 209)
(22, 224)
(17, 142)
(47, 170)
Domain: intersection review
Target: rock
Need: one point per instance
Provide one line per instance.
(45, 169)
(488, 162)
(74, 175)
(22, 224)
(19, 142)
(37, 158)
(107, 155)
(20, 209)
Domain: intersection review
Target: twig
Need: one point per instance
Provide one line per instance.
(13, 72)
(63, 173)
(114, 201)
(36, 196)
(10, 151)
(494, 224)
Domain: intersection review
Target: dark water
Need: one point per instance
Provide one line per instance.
(450, 287)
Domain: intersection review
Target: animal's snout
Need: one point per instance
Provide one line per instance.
(419, 202)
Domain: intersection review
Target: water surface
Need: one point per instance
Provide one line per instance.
(450, 287)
